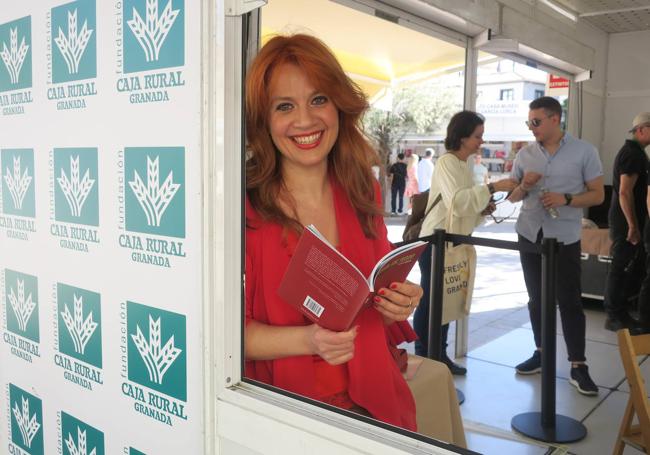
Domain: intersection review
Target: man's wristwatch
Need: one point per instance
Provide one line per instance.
(568, 197)
(491, 188)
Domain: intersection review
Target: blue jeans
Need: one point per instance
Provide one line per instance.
(569, 298)
(397, 194)
(421, 316)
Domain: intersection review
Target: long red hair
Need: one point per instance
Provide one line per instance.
(351, 157)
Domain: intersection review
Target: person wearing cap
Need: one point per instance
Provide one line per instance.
(627, 217)
(425, 171)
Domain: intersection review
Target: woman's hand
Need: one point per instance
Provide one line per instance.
(334, 347)
(491, 207)
(506, 185)
(398, 302)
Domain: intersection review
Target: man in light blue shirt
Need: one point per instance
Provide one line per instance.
(425, 171)
(559, 176)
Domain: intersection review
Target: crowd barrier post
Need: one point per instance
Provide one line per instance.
(546, 425)
(434, 349)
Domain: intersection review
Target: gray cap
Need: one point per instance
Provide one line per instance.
(639, 120)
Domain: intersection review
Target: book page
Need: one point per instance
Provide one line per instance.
(396, 265)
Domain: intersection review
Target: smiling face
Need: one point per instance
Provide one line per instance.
(303, 122)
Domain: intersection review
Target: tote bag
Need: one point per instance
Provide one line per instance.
(458, 281)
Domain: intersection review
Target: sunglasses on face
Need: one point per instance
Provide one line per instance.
(534, 122)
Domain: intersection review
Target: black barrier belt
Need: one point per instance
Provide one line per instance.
(544, 425)
(480, 241)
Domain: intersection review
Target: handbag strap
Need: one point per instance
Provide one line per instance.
(438, 199)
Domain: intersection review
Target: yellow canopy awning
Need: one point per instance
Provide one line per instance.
(374, 52)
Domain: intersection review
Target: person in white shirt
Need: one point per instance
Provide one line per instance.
(425, 171)
(480, 171)
(453, 181)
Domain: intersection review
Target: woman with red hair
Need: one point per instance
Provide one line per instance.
(309, 163)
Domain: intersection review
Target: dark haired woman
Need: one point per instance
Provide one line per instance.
(454, 181)
(309, 163)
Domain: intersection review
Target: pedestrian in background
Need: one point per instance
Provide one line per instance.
(425, 171)
(397, 173)
(627, 216)
(480, 171)
(412, 178)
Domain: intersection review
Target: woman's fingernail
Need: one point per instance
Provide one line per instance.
(393, 286)
(381, 292)
(376, 299)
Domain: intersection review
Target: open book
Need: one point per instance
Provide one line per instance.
(331, 291)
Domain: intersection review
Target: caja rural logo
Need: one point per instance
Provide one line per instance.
(21, 309)
(26, 422)
(16, 66)
(155, 343)
(153, 38)
(73, 54)
(152, 193)
(79, 340)
(79, 438)
(74, 186)
(18, 192)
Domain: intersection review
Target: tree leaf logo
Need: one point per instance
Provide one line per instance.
(154, 198)
(153, 30)
(22, 305)
(75, 189)
(80, 447)
(18, 183)
(80, 330)
(73, 45)
(14, 56)
(27, 424)
(157, 359)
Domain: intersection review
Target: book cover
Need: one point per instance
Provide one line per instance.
(331, 291)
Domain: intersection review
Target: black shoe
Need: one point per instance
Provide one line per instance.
(642, 329)
(614, 324)
(454, 368)
(581, 380)
(532, 365)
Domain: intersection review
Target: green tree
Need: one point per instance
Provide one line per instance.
(429, 106)
(424, 108)
(386, 129)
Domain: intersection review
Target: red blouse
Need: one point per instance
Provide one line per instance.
(384, 395)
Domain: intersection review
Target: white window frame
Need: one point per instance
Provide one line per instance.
(237, 398)
(223, 283)
(510, 92)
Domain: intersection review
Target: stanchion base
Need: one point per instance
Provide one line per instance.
(566, 429)
(461, 397)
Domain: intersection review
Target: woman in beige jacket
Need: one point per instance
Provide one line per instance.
(453, 181)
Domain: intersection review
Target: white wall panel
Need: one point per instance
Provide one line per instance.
(628, 91)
